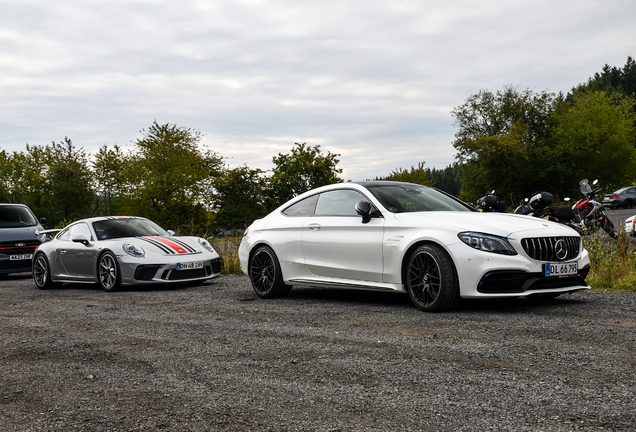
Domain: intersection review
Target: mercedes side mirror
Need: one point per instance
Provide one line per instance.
(363, 208)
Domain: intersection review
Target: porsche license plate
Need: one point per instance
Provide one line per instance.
(21, 257)
(190, 265)
(561, 269)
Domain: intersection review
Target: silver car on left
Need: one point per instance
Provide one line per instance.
(122, 250)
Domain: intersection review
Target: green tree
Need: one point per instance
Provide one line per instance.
(419, 175)
(448, 179)
(172, 177)
(594, 138)
(55, 181)
(113, 182)
(303, 169)
(24, 176)
(239, 197)
(6, 171)
(69, 183)
(610, 80)
(501, 142)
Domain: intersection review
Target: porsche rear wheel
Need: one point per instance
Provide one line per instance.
(42, 272)
(265, 274)
(108, 272)
(431, 280)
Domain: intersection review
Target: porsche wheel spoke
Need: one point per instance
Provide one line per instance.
(108, 272)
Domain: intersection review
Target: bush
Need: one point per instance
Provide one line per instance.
(613, 262)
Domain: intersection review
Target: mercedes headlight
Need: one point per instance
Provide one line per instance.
(134, 250)
(487, 243)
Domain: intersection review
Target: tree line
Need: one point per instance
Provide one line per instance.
(169, 177)
(515, 141)
(518, 141)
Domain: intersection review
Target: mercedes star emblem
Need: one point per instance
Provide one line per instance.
(561, 249)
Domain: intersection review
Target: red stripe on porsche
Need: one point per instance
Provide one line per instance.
(172, 245)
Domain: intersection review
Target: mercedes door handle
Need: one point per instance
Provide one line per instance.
(314, 226)
(62, 251)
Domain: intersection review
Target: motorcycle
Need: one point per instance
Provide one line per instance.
(540, 206)
(591, 211)
(491, 203)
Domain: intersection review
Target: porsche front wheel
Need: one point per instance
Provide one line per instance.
(265, 274)
(42, 272)
(431, 280)
(108, 272)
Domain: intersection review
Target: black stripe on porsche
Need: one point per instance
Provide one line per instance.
(160, 245)
(183, 245)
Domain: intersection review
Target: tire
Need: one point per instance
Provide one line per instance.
(108, 275)
(609, 228)
(628, 204)
(265, 274)
(42, 273)
(431, 280)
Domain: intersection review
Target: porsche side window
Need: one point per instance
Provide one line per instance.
(81, 229)
(338, 203)
(64, 235)
(302, 208)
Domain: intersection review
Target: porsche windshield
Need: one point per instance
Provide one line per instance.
(413, 198)
(13, 216)
(127, 227)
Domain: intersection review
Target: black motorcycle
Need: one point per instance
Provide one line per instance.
(540, 206)
(491, 203)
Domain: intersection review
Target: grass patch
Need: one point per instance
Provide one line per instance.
(227, 248)
(613, 262)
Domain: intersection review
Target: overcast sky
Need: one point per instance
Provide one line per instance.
(374, 81)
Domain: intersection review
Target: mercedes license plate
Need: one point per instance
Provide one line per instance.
(190, 265)
(21, 257)
(561, 269)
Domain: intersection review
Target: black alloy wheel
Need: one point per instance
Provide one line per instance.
(431, 280)
(108, 272)
(265, 274)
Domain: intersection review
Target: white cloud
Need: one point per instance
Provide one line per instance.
(373, 81)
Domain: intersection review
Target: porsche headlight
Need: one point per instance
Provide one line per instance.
(206, 244)
(134, 250)
(487, 243)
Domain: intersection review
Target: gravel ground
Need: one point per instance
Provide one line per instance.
(216, 357)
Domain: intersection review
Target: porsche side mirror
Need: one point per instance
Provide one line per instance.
(363, 208)
(172, 233)
(80, 238)
(43, 222)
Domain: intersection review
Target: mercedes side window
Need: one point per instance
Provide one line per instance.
(303, 207)
(338, 203)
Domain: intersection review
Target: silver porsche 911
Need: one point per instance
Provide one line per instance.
(123, 250)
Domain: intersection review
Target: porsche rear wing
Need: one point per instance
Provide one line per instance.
(48, 233)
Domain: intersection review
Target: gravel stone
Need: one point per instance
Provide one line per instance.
(215, 357)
